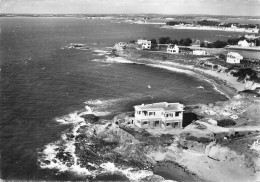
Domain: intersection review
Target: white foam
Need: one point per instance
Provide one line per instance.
(118, 60)
(131, 173)
(101, 51)
(70, 118)
(173, 69)
(215, 88)
(49, 154)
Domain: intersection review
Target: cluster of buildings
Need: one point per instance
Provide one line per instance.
(171, 48)
(232, 28)
(232, 57)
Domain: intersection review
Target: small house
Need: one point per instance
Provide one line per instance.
(234, 58)
(147, 45)
(173, 49)
(244, 43)
(163, 115)
(199, 52)
(141, 41)
(255, 145)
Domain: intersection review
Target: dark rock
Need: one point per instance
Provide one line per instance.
(63, 156)
(46, 162)
(91, 118)
(69, 136)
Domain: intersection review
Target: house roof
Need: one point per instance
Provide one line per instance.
(242, 41)
(172, 46)
(161, 105)
(235, 54)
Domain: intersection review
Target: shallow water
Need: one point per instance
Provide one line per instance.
(40, 83)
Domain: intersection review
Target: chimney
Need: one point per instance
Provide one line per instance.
(167, 104)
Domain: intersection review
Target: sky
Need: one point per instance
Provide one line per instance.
(213, 7)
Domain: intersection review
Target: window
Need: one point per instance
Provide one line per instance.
(166, 115)
(151, 113)
(177, 113)
(168, 124)
(145, 122)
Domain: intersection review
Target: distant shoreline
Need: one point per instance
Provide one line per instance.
(242, 30)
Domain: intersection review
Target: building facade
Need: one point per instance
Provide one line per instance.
(173, 49)
(199, 52)
(147, 44)
(244, 43)
(163, 115)
(234, 58)
(141, 41)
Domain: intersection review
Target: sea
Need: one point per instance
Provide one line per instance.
(43, 80)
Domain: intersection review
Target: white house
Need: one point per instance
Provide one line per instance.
(256, 145)
(162, 114)
(199, 52)
(173, 49)
(244, 43)
(141, 41)
(147, 45)
(234, 57)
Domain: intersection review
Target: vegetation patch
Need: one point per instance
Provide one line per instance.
(226, 122)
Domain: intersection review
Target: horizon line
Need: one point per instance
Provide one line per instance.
(127, 14)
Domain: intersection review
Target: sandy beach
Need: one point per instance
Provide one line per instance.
(223, 82)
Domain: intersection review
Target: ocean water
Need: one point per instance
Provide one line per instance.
(43, 82)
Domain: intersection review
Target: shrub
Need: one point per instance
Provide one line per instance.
(226, 122)
(201, 139)
(222, 56)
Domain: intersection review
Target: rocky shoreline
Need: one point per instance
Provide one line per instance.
(212, 148)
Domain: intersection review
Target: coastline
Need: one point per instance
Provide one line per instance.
(224, 83)
(242, 30)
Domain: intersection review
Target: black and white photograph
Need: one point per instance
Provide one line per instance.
(130, 90)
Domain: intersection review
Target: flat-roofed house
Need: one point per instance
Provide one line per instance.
(141, 41)
(173, 49)
(199, 52)
(234, 58)
(147, 44)
(162, 114)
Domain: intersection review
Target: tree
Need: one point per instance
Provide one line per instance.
(202, 44)
(168, 40)
(222, 56)
(219, 44)
(174, 41)
(164, 40)
(181, 42)
(153, 41)
(187, 42)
